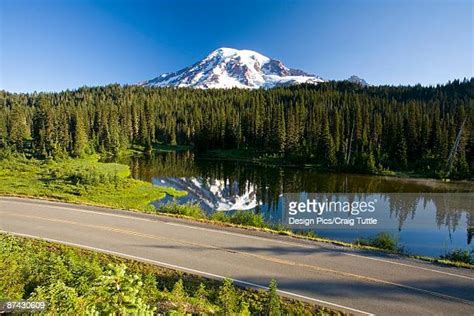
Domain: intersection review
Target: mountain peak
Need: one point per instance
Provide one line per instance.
(233, 68)
(226, 52)
(358, 80)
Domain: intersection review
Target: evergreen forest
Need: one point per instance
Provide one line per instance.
(335, 125)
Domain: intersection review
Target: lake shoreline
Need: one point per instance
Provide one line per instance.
(401, 176)
(228, 155)
(247, 156)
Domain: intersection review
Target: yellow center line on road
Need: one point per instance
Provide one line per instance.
(247, 254)
(345, 253)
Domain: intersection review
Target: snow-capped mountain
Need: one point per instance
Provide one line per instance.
(210, 194)
(232, 68)
(358, 80)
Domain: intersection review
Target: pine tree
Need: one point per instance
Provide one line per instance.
(370, 163)
(327, 147)
(228, 298)
(3, 129)
(281, 131)
(401, 151)
(119, 293)
(274, 304)
(79, 136)
(244, 309)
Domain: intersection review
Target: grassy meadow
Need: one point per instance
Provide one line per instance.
(81, 180)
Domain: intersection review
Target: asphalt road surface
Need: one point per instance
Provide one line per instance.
(354, 281)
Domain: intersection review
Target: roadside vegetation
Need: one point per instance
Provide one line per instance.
(79, 180)
(77, 281)
(241, 218)
(384, 241)
(188, 210)
(390, 243)
(460, 255)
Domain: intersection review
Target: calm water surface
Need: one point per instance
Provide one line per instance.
(425, 226)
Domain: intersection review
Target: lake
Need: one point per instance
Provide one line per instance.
(434, 218)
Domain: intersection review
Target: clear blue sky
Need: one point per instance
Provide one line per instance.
(51, 45)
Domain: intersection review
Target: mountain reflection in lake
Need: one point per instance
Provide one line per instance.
(425, 224)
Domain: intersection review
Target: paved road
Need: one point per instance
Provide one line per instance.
(352, 280)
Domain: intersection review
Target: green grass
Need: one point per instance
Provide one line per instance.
(82, 180)
(75, 281)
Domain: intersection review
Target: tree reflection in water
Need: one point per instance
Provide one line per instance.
(265, 184)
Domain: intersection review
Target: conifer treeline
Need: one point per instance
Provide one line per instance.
(336, 124)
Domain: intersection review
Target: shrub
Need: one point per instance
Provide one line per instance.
(59, 296)
(244, 309)
(12, 282)
(90, 176)
(176, 300)
(201, 301)
(117, 292)
(460, 255)
(228, 298)
(188, 209)
(246, 218)
(75, 281)
(181, 303)
(382, 240)
(307, 233)
(220, 217)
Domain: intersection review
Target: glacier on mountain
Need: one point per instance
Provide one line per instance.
(227, 68)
